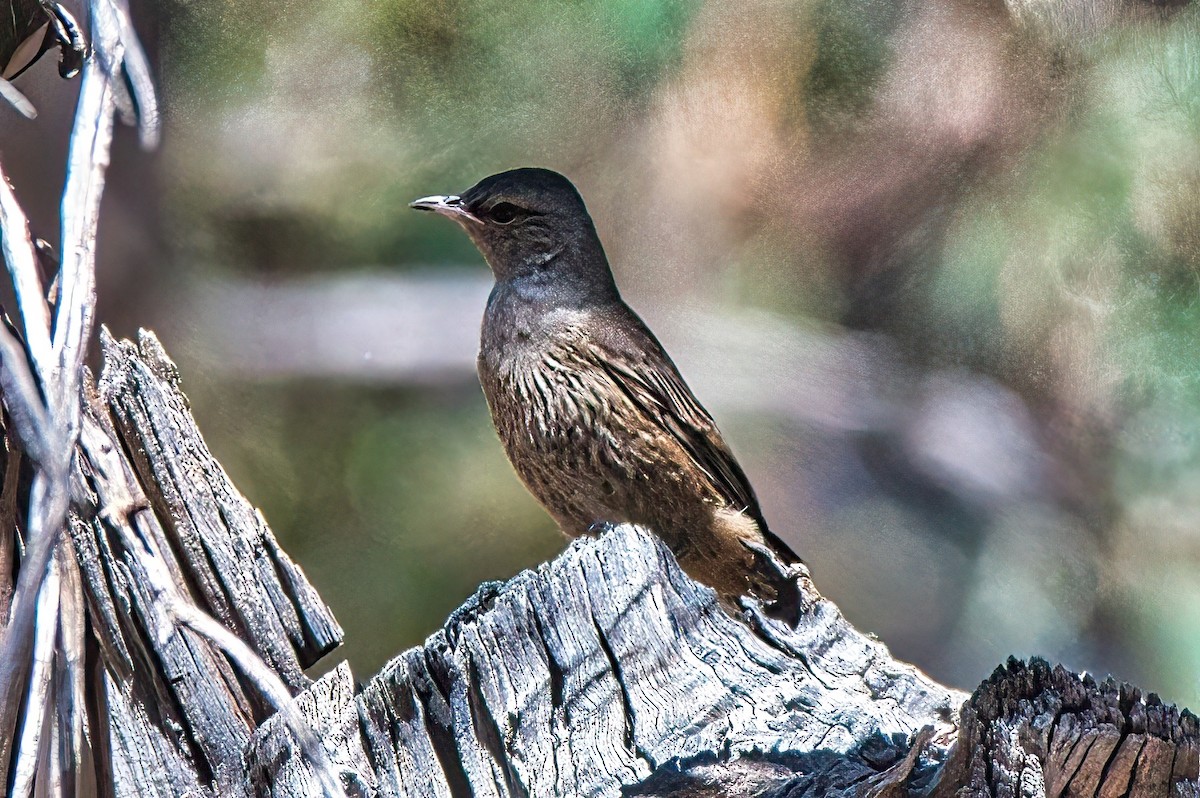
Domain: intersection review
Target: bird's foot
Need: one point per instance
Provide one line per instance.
(770, 560)
(782, 580)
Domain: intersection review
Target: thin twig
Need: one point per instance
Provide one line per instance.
(137, 68)
(30, 422)
(8, 523)
(48, 500)
(17, 99)
(21, 257)
(90, 141)
(72, 702)
(36, 708)
(268, 683)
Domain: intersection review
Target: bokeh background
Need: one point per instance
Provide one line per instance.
(933, 265)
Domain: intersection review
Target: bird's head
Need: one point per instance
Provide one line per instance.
(526, 222)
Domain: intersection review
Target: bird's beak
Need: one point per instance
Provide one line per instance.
(451, 207)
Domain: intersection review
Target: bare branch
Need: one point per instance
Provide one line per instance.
(22, 398)
(72, 702)
(17, 99)
(137, 69)
(48, 501)
(32, 726)
(90, 141)
(49, 430)
(8, 521)
(268, 682)
(21, 257)
(52, 450)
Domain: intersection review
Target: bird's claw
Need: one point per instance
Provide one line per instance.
(786, 604)
(771, 560)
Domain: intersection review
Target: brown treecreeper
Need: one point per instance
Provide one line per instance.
(595, 418)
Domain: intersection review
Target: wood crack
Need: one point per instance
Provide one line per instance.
(614, 668)
(487, 731)
(439, 722)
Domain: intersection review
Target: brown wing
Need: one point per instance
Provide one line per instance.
(641, 368)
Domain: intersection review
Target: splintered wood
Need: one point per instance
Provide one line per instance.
(160, 521)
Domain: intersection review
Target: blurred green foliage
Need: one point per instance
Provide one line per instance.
(439, 94)
(1005, 195)
(396, 503)
(851, 57)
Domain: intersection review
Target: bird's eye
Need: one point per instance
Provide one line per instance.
(504, 213)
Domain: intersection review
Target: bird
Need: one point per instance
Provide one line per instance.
(593, 414)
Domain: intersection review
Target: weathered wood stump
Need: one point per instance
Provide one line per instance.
(604, 672)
